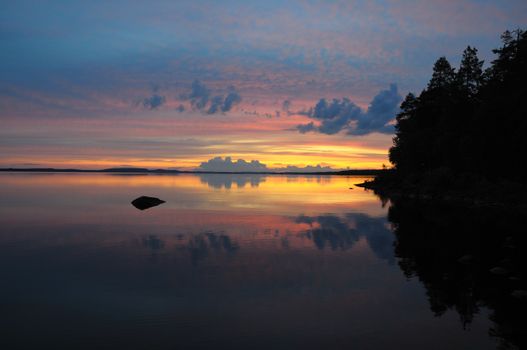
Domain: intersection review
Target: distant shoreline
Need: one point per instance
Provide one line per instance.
(365, 172)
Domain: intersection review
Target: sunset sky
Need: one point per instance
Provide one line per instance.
(172, 84)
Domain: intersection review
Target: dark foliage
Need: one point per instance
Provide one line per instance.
(468, 121)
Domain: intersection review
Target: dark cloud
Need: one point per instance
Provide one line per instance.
(233, 97)
(339, 115)
(216, 104)
(258, 114)
(154, 101)
(286, 105)
(200, 99)
(381, 111)
(303, 128)
(199, 95)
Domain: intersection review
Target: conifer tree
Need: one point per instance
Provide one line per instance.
(470, 72)
(443, 76)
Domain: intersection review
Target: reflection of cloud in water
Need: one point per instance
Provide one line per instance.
(329, 230)
(342, 232)
(153, 242)
(198, 246)
(201, 246)
(309, 178)
(227, 180)
(380, 238)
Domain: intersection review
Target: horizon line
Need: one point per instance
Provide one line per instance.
(176, 171)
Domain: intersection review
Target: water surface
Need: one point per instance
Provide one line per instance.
(229, 261)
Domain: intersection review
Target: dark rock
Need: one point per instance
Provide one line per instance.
(145, 202)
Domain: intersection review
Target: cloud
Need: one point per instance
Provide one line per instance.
(303, 128)
(218, 164)
(154, 101)
(215, 104)
(342, 114)
(199, 95)
(381, 111)
(306, 169)
(232, 98)
(200, 99)
(286, 105)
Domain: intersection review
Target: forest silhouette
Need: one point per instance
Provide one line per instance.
(467, 129)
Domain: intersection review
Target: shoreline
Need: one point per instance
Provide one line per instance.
(478, 195)
(365, 172)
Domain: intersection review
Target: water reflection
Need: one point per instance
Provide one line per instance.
(153, 242)
(227, 181)
(343, 232)
(275, 262)
(467, 258)
(200, 246)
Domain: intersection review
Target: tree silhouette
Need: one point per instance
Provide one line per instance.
(470, 72)
(467, 122)
(443, 76)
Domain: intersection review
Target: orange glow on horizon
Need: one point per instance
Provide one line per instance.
(245, 193)
(164, 141)
(273, 162)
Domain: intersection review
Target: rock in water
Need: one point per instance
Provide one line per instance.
(145, 202)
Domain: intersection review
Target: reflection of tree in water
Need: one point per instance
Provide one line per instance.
(227, 180)
(201, 246)
(466, 259)
(337, 232)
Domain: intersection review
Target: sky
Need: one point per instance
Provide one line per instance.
(186, 84)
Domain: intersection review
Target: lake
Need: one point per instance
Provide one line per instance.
(239, 261)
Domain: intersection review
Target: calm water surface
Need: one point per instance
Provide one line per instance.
(227, 262)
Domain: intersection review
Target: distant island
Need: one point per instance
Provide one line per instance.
(464, 136)
(129, 170)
